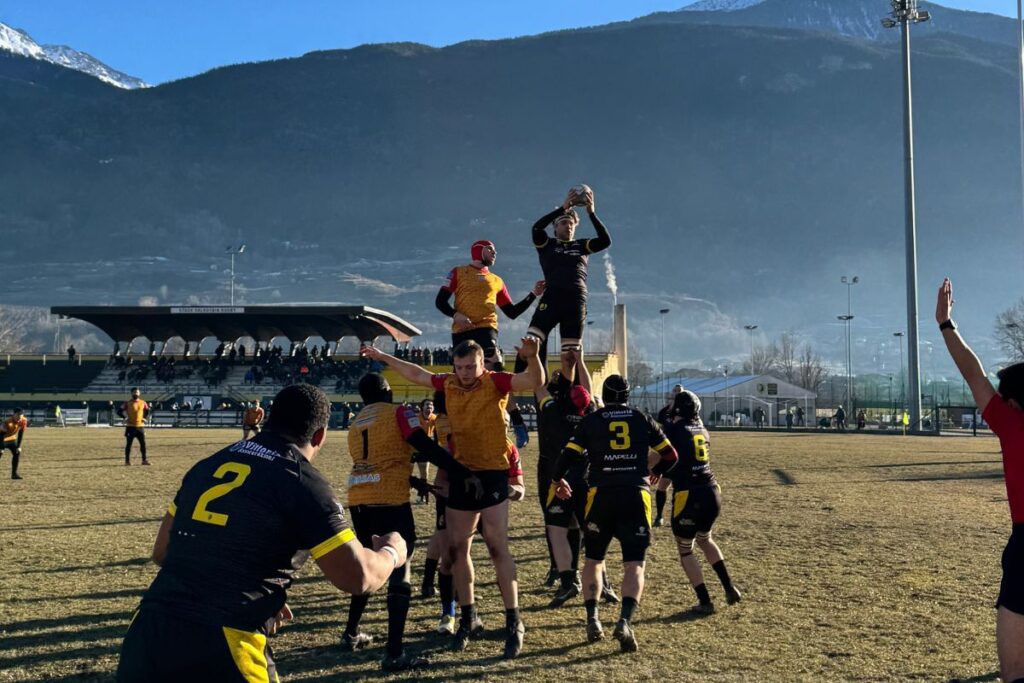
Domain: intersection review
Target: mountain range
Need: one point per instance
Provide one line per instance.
(743, 160)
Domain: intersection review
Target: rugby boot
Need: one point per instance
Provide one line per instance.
(624, 634)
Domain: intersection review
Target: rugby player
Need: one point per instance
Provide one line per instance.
(252, 419)
(616, 440)
(381, 441)
(134, 412)
(661, 493)
(13, 430)
(564, 263)
(1003, 410)
(428, 419)
(696, 498)
(244, 520)
(478, 294)
(476, 399)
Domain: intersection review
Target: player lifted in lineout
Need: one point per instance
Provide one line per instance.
(479, 293)
(616, 440)
(564, 263)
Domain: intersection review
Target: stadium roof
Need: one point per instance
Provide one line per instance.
(705, 386)
(262, 323)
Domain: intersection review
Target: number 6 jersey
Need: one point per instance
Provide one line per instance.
(693, 444)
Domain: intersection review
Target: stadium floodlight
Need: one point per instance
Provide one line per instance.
(750, 333)
(849, 373)
(233, 251)
(905, 13)
(849, 282)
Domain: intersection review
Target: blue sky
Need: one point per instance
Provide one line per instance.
(162, 40)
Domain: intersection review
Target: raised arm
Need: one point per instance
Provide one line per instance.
(533, 376)
(583, 373)
(540, 228)
(512, 310)
(603, 239)
(411, 372)
(966, 360)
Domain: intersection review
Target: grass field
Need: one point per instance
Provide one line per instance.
(862, 558)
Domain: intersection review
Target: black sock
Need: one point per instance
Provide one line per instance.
(628, 607)
(591, 607)
(355, 613)
(723, 574)
(659, 498)
(568, 578)
(574, 548)
(511, 617)
(444, 587)
(702, 594)
(398, 610)
(429, 571)
(468, 615)
(15, 457)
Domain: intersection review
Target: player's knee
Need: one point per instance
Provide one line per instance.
(704, 539)
(537, 332)
(685, 546)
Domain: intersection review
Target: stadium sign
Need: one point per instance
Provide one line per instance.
(207, 309)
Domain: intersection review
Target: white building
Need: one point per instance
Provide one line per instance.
(731, 396)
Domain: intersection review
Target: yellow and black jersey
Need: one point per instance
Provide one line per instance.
(13, 427)
(616, 440)
(245, 519)
(381, 457)
(478, 295)
(477, 415)
(693, 445)
(135, 412)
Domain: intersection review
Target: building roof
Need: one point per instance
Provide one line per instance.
(707, 386)
(262, 323)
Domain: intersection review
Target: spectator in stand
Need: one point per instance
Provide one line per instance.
(71, 353)
(241, 354)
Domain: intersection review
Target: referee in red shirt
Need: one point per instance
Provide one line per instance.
(1003, 410)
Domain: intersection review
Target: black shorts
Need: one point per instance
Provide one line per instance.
(371, 520)
(159, 647)
(543, 481)
(11, 446)
(134, 433)
(565, 308)
(695, 510)
(440, 504)
(620, 512)
(251, 428)
(486, 337)
(495, 485)
(560, 513)
(1011, 588)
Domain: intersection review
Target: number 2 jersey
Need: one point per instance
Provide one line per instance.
(245, 520)
(616, 440)
(693, 444)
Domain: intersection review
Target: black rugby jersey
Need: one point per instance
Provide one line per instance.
(245, 519)
(616, 440)
(693, 445)
(564, 264)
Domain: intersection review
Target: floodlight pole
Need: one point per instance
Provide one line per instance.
(750, 333)
(905, 13)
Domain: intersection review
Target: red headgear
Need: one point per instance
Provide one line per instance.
(580, 398)
(477, 250)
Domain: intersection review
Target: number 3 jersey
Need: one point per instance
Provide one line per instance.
(692, 443)
(245, 519)
(616, 440)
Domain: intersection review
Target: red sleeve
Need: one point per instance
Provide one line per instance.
(438, 381)
(407, 421)
(503, 297)
(1006, 422)
(515, 468)
(503, 380)
(451, 281)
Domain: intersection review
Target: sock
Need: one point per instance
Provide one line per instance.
(628, 607)
(723, 574)
(429, 570)
(574, 547)
(398, 610)
(511, 617)
(591, 607)
(468, 615)
(659, 498)
(444, 587)
(568, 577)
(355, 613)
(702, 594)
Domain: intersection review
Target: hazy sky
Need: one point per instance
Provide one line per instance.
(161, 41)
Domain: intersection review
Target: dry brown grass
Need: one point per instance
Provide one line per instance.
(879, 561)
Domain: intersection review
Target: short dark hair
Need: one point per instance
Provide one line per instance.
(1011, 382)
(467, 348)
(615, 390)
(300, 410)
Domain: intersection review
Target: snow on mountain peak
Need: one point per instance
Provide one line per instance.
(20, 43)
(720, 5)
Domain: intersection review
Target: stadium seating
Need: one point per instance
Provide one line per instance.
(34, 375)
